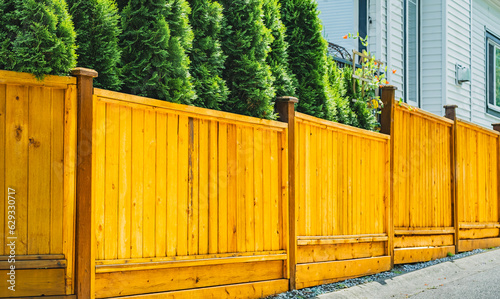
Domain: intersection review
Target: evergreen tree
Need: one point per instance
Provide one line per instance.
(278, 56)
(97, 29)
(338, 91)
(246, 43)
(207, 59)
(308, 56)
(154, 62)
(37, 37)
(121, 4)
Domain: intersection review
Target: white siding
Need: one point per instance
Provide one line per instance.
(395, 46)
(431, 56)
(485, 15)
(458, 51)
(377, 29)
(338, 17)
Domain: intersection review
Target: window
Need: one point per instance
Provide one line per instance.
(493, 73)
(412, 51)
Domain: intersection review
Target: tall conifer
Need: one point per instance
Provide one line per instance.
(37, 37)
(278, 56)
(246, 43)
(97, 27)
(154, 62)
(308, 57)
(207, 59)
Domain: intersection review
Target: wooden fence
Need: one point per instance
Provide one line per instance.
(422, 182)
(477, 163)
(342, 201)
(118, 195)
(187, 198)
(37, 179)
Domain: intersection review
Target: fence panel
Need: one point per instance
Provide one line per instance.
(187, 198)
(422, 185)
(477, 186)
(342, 191)
(37, 182)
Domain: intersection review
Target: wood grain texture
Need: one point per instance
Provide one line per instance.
(421, 254)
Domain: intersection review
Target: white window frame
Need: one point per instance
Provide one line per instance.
(406, 62)
(491, 39)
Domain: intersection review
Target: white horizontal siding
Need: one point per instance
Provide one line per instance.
(431, 56)
(396, 46)
(338, 18)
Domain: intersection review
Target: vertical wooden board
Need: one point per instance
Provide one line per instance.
(301, 178)
(39, 170)
(258, 183)
(480, 187)
(355, 185)
(488, 149)
(99, 176)
(193, 185)
(136, 230)
(427, 174)
(223, 188)
(415, 173)
(204, 150)
(284, 203)
(331, 182)
(474, 181)
(111, 181)
(350, 184)
(182, 185)
(313, 196)
(3, 194)
(149, 213)
(266, 189)
(161, 185)
(407, 160)
(241, 188)
(365, 183)
(70, 118)
(343, 179)
(57, 172)
(249, 188)
(125, 182)
(323, 178)
(308, 181)
(232, 183)
(213, 183)
(275, 193)
(172, 181)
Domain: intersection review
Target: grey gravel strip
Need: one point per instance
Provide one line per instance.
(398, 270)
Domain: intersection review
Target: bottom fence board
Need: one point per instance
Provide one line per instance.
(421, 254)
(244, 290)
(336, 252)
(314, 274)
(33, 282)
(468, 245)
(125, 283)
(478, 233)
(423, 241)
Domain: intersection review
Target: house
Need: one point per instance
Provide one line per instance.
(445, 52)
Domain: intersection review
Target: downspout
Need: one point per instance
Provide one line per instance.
(470, 60)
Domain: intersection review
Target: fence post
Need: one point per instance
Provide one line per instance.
(450, 112)
(386, 127)
(496, 127)
(387, 116)
(285, 107)
(84, 249)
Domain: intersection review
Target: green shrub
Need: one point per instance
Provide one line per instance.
(278, 56)
(97, 28)
(337, 92)
(246, 43)
(154, 62)
(37, 37)
(207, 59)
(308, 57)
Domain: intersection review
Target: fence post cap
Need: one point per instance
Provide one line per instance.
(496, 127)
(287, 99)
(450, 106)
(81, 71)
(389, 87)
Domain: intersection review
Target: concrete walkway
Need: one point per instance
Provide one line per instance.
(476, 276)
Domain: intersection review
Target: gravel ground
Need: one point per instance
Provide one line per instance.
(398, 270)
